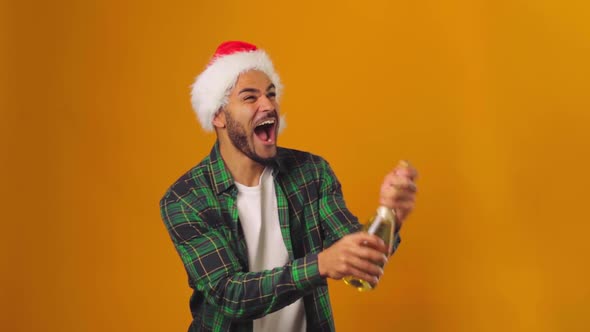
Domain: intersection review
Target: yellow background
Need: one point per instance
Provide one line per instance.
(488, 99)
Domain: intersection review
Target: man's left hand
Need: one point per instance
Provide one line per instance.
(398, 191)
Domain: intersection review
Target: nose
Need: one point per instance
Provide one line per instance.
(266, 104)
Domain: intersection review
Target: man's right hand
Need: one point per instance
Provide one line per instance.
(359, 255)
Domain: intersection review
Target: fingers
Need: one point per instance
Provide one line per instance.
(404, 169)
(360, 266)
(364, 240)
(398, 183)
(396, 197)
(365, 266)
(370, 255)
(359, 274)
(398, 190)
(359, 255)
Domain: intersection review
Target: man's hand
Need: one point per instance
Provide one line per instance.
(398, 191)
(359, 255)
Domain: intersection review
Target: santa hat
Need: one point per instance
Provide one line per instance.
(211, 89)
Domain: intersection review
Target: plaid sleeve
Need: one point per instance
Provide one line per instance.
(338, 221)
(215, 271)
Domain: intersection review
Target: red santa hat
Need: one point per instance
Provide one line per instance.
(211, 88)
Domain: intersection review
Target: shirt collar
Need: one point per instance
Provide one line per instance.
(222, 178)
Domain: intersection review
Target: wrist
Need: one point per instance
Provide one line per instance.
(321, 269)
(305, 273)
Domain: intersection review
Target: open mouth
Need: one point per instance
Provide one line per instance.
(265, 130)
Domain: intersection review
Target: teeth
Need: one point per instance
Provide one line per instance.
(266, 123)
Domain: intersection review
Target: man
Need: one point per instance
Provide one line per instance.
(259, 228)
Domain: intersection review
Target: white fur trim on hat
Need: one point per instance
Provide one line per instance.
(211, 88)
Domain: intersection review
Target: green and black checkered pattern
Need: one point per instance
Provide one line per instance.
(201, 216)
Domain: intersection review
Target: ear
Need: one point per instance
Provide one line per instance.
(219, 119)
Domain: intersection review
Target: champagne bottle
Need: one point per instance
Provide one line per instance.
(382, 225)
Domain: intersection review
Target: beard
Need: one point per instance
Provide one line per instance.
(239, 138)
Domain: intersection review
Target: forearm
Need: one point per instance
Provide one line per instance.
(250, 295)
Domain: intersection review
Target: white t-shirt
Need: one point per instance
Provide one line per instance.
(259, 217)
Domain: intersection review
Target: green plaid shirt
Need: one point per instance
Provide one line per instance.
(201, 216)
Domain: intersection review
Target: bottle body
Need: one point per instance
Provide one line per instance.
(382, 225)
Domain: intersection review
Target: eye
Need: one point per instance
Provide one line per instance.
(249, 98)
(271, 95)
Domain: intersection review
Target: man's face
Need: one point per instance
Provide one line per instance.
(252, 118)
